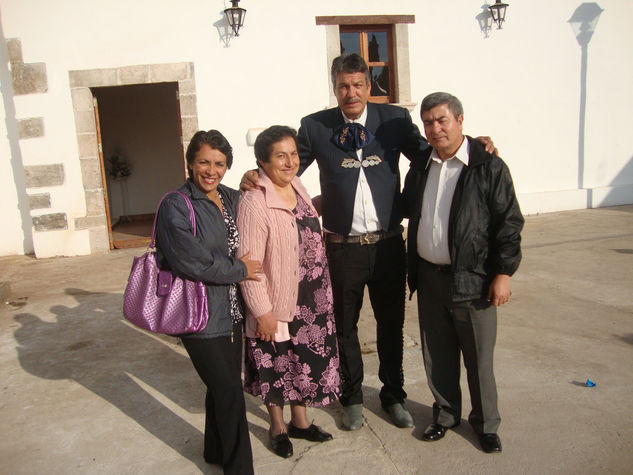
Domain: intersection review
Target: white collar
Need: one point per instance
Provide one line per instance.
(361, 120)
(463, 153)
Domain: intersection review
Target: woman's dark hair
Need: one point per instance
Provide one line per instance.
(213, 139)
(267, 138)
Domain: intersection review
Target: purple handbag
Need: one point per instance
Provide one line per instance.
(158, 301)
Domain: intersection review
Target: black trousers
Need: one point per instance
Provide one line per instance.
(382, 268)
(450, 328)
(226, 438)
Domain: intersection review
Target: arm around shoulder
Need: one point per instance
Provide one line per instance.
(304, 146)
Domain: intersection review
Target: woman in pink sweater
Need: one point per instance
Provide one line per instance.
(291, 349)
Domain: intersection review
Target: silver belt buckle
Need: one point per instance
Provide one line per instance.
(368, 238)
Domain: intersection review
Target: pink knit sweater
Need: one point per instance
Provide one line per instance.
(268, 230)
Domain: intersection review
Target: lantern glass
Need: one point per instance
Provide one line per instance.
(235, 17)
(498, 12)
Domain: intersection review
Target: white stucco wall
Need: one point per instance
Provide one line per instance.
(14, 240)
(520, 85)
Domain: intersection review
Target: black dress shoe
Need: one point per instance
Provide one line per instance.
(435, 432)
(281, 444)
(312, 433)
(490, 443)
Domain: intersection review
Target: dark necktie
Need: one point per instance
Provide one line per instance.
(351, 136)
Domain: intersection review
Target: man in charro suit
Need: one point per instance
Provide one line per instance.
(357, 147)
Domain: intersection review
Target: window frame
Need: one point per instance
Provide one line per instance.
(364, 33)
(400, 48)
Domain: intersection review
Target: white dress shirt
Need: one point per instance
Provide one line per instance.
(365, 218)
(432, 239)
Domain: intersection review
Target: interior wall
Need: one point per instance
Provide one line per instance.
(141, 123)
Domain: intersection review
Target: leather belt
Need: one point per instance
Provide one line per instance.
(363, 239)
(437, 267)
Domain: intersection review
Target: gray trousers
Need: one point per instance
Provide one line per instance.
(450, 328)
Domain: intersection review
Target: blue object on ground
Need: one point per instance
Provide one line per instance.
(590, 383)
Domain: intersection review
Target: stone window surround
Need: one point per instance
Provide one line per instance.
(83, 107)
(400, 42)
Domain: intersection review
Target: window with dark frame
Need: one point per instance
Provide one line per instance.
(374, 43)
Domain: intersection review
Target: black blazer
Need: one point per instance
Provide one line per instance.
(394, 133)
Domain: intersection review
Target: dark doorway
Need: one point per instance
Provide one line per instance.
(140, 144)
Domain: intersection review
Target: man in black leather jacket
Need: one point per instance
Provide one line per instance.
(463, 246)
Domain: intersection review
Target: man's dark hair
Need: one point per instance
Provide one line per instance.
(267, 138)
(439, 98)
(349, 63)
(213, 139)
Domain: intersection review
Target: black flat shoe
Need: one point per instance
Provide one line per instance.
(435, 432)
(281, 444)
(490, 443)
(312, 433)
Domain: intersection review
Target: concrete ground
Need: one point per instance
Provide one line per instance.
(84, 392)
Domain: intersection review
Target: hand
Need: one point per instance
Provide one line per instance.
(488, 144)
(266, 327)
(499, 292)
(253, 268)
(249, 180)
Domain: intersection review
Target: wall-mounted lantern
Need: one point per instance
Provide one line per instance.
(498, 12)
(235, 16)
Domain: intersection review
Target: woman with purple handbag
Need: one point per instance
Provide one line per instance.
(209, 257)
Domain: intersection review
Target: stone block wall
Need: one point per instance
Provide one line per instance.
(31, 78)
(81, 83)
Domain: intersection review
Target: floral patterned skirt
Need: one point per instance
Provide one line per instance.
(304, 369)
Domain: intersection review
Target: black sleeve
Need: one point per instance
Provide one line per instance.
(185, 254)
(413, 144)
(304, 147)
(408, 191)
(506, 220)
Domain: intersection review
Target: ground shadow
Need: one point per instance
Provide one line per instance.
(581, 383)
(627, 338)
(90, 343)
(256, 408)
(421, 413)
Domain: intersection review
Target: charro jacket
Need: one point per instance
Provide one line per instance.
(485, 223)
(204, 257)
(394, 133)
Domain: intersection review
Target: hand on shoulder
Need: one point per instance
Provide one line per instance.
(249, 180)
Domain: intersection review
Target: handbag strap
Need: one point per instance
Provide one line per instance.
(192, 215)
